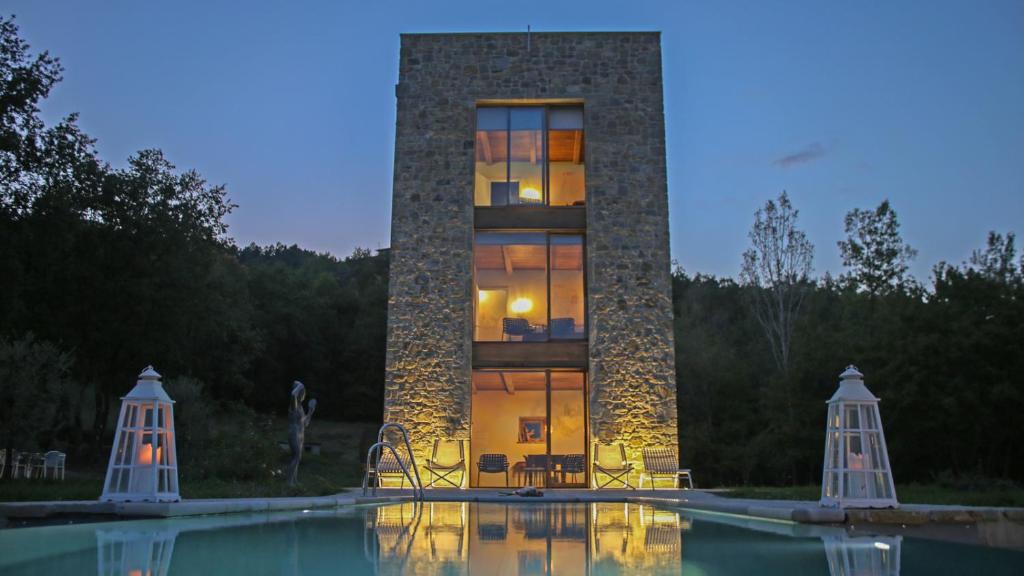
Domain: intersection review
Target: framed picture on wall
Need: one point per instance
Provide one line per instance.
(533, 429)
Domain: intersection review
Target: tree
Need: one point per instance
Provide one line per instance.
(33, 382)
(24, 81)
(996, 262)
(874, 254)
(776, 269)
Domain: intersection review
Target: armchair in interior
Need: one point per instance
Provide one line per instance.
(536, 468)
(521, 328)
(573, 465)
(511, 327)
(493, 464)
(563, 328)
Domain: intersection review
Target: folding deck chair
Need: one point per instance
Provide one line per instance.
(610, 460)
(447, 458)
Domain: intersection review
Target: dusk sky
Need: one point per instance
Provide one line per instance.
(843, 104)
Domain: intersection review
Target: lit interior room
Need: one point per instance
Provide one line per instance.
(527, 415)
(515, 290)
(517, 165)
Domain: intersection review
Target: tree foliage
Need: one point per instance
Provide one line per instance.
(35, 389)
(874, 253)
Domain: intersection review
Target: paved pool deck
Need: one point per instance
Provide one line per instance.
(778, 510)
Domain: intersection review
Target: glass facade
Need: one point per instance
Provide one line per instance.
(529, 155)
(535, 418)
(528, 287)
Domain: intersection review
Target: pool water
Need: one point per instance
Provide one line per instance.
(483, 538)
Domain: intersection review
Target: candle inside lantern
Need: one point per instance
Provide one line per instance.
(146, 453)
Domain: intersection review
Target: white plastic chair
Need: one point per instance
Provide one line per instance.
(34, 465)
(54, 460)
(18, 464)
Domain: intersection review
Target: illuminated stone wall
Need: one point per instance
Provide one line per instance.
(617, 76)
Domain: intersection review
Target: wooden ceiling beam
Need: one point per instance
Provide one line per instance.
(506, 255)
(485, 146)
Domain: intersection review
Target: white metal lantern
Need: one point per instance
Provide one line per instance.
(856, 471)
(143, 463)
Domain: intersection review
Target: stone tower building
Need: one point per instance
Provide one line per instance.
(530, 306)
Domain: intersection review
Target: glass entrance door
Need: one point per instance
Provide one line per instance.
(536, 421)
(568, 438)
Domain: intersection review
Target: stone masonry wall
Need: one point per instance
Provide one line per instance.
(617, 76)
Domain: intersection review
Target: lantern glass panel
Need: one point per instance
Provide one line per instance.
(833, 416)
(852, 418)
(129, 449)
(881, 486)
(868, 417)
(874, 443)
(854, 452)
(856, 485)
(169, 451)
(833, 452)
(832, 485)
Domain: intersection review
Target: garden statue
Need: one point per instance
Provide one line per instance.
(298, 419)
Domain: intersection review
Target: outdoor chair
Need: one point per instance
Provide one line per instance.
(514, 327)
(388, 467)
(610, 460)
(17, 463)
(54, 460)
(536, 468)
(447, 459)
(574, 465)
(33, 465)
(493, 464)
(663, 463)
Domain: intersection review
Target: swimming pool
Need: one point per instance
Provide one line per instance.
(482, 538)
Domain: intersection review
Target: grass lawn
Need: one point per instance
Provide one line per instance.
(906, 494)
(337, 466)
(318, 476)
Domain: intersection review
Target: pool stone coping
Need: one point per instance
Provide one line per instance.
(803, 512)
(198, 507)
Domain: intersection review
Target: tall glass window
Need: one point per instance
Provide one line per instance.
(565, 156)
(529, 155)
(526, 160)
(491, 157)
(537, 419)
(567, 297)
(529, 287)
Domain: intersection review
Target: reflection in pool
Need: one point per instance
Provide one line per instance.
(482, 538)
(459, 538)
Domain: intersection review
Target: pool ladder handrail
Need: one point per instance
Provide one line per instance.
(417, 486)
